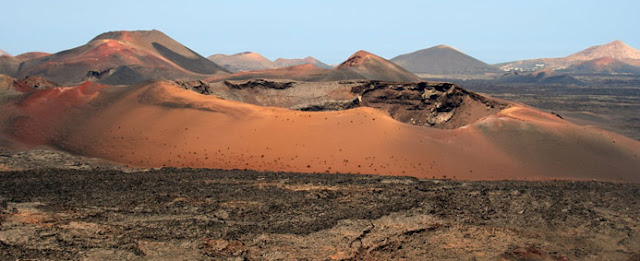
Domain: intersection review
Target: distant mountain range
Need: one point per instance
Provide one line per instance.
(614, 57)
(361, 65)
(130, 57)
(247, 61)
(31, 55)
(9, 65)
(284, 62)
(251, 61)
(127, 57)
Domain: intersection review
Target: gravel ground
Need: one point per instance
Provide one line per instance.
(198, 214)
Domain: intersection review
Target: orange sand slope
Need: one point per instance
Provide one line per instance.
(159, 124)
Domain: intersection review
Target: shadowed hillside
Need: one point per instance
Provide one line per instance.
(442, 60)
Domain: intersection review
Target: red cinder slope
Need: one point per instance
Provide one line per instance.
(122, 57)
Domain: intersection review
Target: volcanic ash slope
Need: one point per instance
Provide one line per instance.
(160, 124)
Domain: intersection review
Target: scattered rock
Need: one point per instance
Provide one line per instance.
(238, 215)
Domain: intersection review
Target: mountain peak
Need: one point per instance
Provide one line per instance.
(617, 42)
(357, 59)
(361, 53)
(123, 57)
(374, 67)
(444, 46)
(125, 35)
(284, 62)
(616, 49)
(245, 61)
(249, 54)
(150, 40)
(442, 60)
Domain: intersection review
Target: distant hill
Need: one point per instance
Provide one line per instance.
(251, 61)
(538, 77)
(303, 72)
(122, 57)
(616, 50)
(442, 60)
(9, 65)
(373, 67)
(247, 61)
(604, 65)
(361, 65)
(284, 62)
(31, 55)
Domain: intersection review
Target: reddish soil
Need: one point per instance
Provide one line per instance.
(161, 124)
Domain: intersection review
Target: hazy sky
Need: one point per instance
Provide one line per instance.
(492, 31)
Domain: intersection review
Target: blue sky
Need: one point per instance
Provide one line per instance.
(492, 31)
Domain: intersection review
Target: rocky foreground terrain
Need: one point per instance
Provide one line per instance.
(92, 211)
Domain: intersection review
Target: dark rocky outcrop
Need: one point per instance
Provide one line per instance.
(442, 105)
(99, 74)
(124, 75)
(260, 83)
(433, 104)
(332, 106)
(196, 86)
